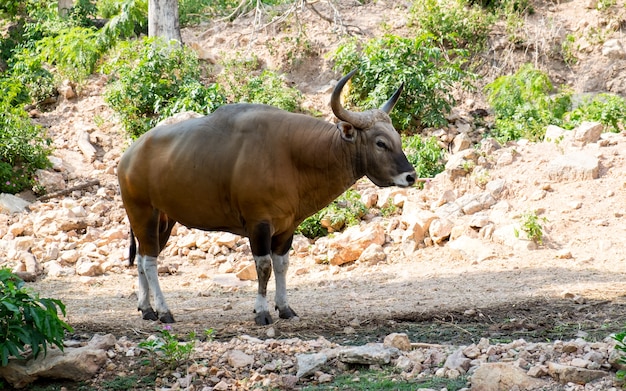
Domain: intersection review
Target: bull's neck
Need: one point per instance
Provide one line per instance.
(331, 164)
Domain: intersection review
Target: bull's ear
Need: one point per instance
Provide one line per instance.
(348, 132)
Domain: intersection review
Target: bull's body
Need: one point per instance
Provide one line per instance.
(252, 170)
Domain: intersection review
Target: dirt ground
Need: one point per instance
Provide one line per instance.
(435, 295)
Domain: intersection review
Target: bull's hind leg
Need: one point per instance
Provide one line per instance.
(260, 241)
(152, 232)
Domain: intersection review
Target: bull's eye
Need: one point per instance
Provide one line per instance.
(381, 144)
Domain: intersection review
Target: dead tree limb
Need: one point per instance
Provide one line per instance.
(63, 192)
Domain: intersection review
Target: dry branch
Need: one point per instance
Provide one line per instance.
(46, 197)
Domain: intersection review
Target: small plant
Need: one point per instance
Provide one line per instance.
(620, 346)
(346, 210)
(524, 104)
(531, 226)
(156, 80)
(27, 321)
(568, 50)
(247, 84)
(428, 72)
(608, 109)
(425, 155)
(455, 23)
(166, 349)
(23, 146)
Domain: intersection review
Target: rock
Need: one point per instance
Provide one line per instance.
(574, 166)
(309, 363)
(567, 373)
(502, 376)
(374, 353)
(588, 132)
(85, 146)
(374, 253)
(461, 142)
(457, 361)
(238, 359)
(248, 272)
(613, 49)
(349, 245)
(398, 340)
(50, 180)
(76, 364)
(12, 204)
(440, 230)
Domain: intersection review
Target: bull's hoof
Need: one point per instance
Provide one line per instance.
(148, 314)
(167, 318)
(286, 313)
(263, 318)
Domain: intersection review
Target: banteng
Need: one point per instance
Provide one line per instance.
(252, 170)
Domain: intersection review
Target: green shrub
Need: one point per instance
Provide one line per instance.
(74, 51)
(167, 349)
(345, 211)
(154, 80)
(37, 81)
(246, 84)
(531, 226)
(428, 73)
(455, 23)
(27, 320)
(425, 155)
(23, 145)
(608, 109)
(524, 106)
(128, 18)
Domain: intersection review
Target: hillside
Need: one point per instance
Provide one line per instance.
(454, 266)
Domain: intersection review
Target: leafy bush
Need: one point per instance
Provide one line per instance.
(75, 52)
(128, 18)
(155, 80)
(346, 210)
(428, 74)
(531, 226)
(246, 84)
(38, 82)
(455, 23)
(608, 109)
(167, 349)
(523, 105)
(27, 320)
(425, 155)
(23, 146)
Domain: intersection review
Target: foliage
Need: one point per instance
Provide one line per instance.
(156, 79)
(346, 210)
(367, 379)
(620, 346)
(608, 109)
(23, 147)
(507, 6)
(75, 52)
(246, 84)
(455, 23)
(523, 105)
(128, 18)
(27, 320)
(167, 349)
(531, 225)
(37, 81)
(425, 155)
(428, 73)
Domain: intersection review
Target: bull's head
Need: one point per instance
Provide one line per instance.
(378, 144)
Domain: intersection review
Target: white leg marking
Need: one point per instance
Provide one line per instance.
(150, 268)
(144, 289)
(264, 270)
(281, 264)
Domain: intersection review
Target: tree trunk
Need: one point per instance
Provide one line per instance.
(163, 19)
(65, 6)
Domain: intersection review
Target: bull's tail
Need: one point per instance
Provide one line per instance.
(133, 249)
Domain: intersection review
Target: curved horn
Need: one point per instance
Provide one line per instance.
(355, 119)
(387, 107)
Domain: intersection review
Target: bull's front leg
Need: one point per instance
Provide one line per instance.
(264, 271)
(281, 264)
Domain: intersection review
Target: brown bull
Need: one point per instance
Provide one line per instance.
(253, 170)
